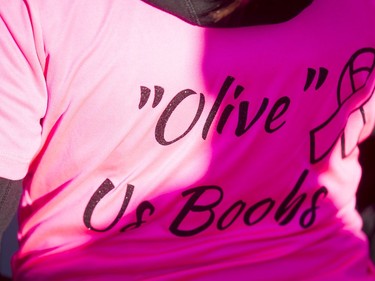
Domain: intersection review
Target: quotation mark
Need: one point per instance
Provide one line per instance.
(311, 73)
(146, 93)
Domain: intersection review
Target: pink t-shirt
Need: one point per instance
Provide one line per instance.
(158, 150)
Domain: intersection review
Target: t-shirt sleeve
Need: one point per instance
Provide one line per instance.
(23, 94)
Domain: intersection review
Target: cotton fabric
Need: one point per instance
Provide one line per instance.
(153, 149)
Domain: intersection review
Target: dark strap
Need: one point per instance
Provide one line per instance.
(10, 193)
(193, 11)
(368, 216)
(255, 12)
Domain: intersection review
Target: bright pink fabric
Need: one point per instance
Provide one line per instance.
(173, 152)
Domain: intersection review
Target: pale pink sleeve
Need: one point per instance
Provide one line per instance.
(23, 94)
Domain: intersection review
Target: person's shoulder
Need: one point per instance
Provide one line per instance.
(22, 7)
